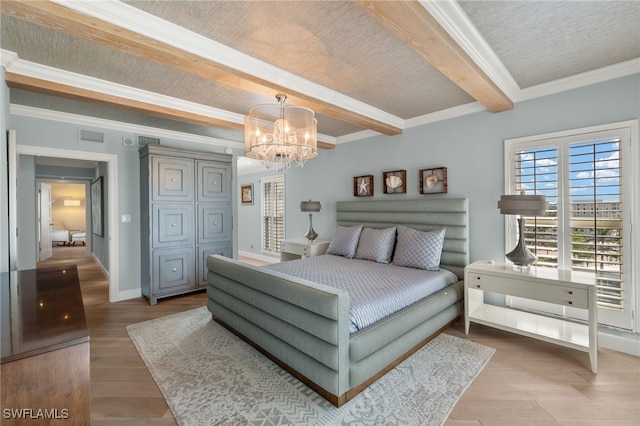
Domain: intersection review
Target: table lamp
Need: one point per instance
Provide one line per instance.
(530, 205)
(310, 207)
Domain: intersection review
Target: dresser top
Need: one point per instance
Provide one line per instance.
(534, 272)
(41, 310)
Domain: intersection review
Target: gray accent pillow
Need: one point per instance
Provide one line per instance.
(376, 244)
(419, 249)
(345, 241)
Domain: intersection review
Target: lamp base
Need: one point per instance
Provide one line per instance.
(521, 256)
(311, 235)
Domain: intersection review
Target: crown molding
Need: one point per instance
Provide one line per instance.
(136, 20)
(55, 75)
(445, 114)
(588, 78)
(7, 58)
(83, 120)
(455, 21)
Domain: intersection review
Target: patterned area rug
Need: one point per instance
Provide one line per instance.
(210, 377)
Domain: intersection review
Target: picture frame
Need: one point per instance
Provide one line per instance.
(433, 181)
(246, 194)
(394, 182)
(97, 207)
(363, 186)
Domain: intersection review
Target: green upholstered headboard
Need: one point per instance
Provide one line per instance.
(424, 214)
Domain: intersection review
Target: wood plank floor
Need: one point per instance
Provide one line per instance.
(527, 382)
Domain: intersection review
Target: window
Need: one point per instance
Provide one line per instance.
(272, 213)
(586, 175)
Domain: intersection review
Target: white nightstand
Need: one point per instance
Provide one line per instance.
(562, 287)
(299, 248)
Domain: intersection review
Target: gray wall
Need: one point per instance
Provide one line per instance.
(54, 134)
(471, 147)
(27, 213)
(100, 244)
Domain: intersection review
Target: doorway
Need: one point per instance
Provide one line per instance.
(63, 218)
(110, 213)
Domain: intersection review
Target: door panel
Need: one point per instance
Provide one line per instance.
(44, 222)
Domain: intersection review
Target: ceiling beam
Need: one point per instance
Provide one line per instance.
(37, 85)
(413, 24)
(47, 87)
(60, 18)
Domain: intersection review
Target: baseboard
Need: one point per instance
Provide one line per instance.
(264, 258)
(127, 295)
(624, 344)
(104, 270)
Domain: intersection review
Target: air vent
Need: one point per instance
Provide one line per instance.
(146, 140)
(91, 136)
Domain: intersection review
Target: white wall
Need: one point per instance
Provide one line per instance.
(4, 198)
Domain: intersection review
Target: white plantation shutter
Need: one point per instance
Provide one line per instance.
(272, 213)
(587, 225)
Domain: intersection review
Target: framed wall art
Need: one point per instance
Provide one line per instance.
(246, 192)
(395, 182)
(433, 181)
(97, 206)
(363, 186)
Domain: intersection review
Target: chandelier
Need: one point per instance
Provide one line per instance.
(279, 136)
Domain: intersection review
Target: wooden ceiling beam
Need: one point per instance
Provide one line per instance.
(60, 18)
(37, 85)
(46, 87)
(413, 24)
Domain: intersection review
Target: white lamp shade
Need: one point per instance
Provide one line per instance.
(71, 203)
(527, 205)
(280, 135)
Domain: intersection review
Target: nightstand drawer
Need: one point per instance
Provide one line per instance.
(558, 294)
(294, 248)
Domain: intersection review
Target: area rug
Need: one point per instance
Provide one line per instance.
(208, 376)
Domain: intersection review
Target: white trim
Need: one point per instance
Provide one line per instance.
(112, 167)
(631, 178)
(588, 78)
(56, 75)
(445, 114)
(624, 344)
(83, 120)
(138, 21)
(455, 21)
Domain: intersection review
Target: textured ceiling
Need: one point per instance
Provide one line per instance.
(334, 44)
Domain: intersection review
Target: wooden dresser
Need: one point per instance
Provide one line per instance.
(45, 348)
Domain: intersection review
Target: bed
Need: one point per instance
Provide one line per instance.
(307, 327)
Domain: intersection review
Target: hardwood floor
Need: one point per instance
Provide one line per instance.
(526, 381)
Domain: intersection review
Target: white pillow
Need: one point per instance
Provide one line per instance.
(376, 244)
(419, 249)
(345, 241)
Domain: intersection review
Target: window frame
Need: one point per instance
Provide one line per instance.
(630, 182)
(263, 197)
